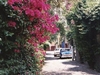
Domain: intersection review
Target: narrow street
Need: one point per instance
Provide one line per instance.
(56, 66)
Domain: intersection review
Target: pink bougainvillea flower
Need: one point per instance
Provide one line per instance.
(48, 6)
(32, 54)
(68, 6)
(72, 21)
(29, 12)
(12, 24)
(56, 17)
(10, 2)
(16, 50)
(35, 44)
(36, 49)
(30, 41)
(29, 28)
(41, 61)
(37, 73)
(43, 52)
(26, 73)
(29, 64)
(15, 8)
(37, 13)
(41, 23)
(16, 43)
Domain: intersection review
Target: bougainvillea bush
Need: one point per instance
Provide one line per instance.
(24, 26)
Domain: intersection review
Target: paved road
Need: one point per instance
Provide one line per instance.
(56, 66)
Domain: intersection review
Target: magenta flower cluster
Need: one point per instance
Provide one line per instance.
(42, 23)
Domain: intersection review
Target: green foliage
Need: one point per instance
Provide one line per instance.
(53, 38)
(17, 57)
(61, 29)
(85, 30)
(69, 35)
(26, 62)
(46, 46)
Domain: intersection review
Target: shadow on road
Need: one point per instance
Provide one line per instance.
(70, 66)
(80, 67)
(70, 62)
(55, 58)
(55, 73)
(50, 58)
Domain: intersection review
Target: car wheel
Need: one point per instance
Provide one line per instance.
(54, 55)
(60, 56)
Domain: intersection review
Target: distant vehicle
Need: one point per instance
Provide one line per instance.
(65, 52)
(57, 52)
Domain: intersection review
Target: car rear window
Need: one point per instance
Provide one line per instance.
(57, 49)
(65, 50)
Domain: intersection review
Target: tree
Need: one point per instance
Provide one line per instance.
(86, 21)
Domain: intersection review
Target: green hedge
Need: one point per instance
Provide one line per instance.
(86, 27)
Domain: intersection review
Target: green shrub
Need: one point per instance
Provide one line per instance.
(86, 27)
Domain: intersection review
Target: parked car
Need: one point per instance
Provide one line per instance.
(57, 52)
(65, 52)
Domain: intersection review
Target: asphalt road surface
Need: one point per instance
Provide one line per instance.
(57, 66)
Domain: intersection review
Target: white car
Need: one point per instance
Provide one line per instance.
(57, 52)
